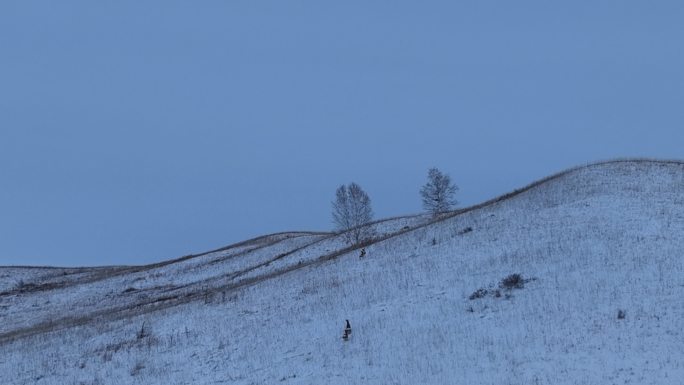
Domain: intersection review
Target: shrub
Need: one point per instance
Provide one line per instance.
(621, 314)
(139, 366)
(465, 231)
(513, 281)
(479, 293)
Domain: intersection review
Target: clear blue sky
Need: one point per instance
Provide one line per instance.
(137, 131)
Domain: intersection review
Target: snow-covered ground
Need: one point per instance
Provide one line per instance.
(588, 243)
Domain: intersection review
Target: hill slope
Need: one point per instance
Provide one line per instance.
(588, 243)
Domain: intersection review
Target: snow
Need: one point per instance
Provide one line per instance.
(592, 240)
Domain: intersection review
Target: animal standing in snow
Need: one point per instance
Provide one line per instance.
(347, 331)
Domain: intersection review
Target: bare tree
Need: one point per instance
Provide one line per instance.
(352, 211)
(438, 193)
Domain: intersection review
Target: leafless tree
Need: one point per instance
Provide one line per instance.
(438, 193)
(352, 212)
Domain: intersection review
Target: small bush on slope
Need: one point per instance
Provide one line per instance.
(513, 281)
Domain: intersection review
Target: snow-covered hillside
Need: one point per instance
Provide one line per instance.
(425, 303)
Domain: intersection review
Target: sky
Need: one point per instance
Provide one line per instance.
(137, 131)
